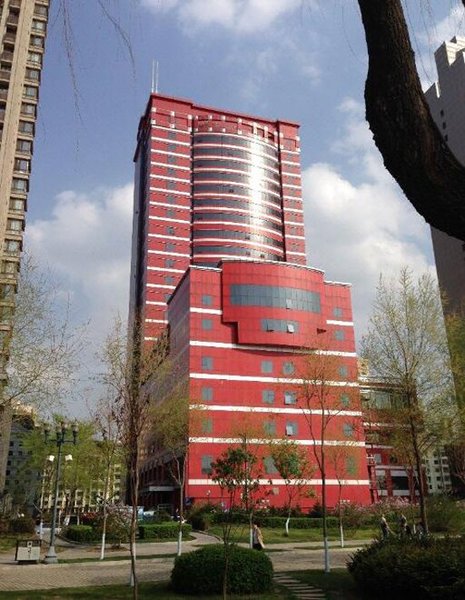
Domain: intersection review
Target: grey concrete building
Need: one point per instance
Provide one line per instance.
(446, 99)
(23, 26)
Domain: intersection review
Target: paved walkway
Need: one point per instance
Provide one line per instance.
(292, 557)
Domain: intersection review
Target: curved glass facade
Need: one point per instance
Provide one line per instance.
(242, 173)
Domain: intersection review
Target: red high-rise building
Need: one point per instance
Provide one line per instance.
(219, 259)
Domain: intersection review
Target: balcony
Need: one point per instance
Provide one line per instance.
(6, 56)
(5, 75)
(12, 20)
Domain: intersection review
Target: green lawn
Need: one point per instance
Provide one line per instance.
(147, 591)
(8, 541)
(240, 533)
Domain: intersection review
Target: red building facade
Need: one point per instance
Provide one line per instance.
(209, 184)
(219, 259)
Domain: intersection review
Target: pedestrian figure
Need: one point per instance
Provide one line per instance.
(257, 538)
(384, 527)
(402, 525)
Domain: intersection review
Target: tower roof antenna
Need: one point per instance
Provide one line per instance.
(155, 76)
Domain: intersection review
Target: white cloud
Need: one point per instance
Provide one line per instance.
(241, 16)
(355, 231)
(87, 241)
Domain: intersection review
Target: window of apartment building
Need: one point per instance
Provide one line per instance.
(207, 425)
(268, 396)
(337, 311)
(343, 371)
(20, 185)
(207, 394)
(171, 159)
(207, 363)
(290, 397)
(339, 335)
(345, 400)
(206, 464)
(7, 291)
(171, 199)
(33, 74)
(169, 263)
(24, 146)
(14, 225)
(269, 427)
(171, 172)
(206, 300)
(170, 213)
(40, 9)
(22, 165)
(267, 366)
(26, 127)
(288, 368)
(169, 279)
(12, 246)
(170, 230)
(348, 430)
(9, 267)
(169, 246)
(38, 25)
(207, 324)
(351, 465)
(171, 135)
(291, 428)
(37, 41)
(28, 109)
(269, 465)
(34, 57)
(171, 185)
(30, 91)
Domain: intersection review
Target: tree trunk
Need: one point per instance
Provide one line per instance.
(323, 505)
(419, 470)
(412, 147)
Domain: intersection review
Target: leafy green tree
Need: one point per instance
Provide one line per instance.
(406, 347)
(292, 463)
(236, 472)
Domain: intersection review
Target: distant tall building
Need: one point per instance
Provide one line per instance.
(219, 262)
(446, 100)
(23, 25)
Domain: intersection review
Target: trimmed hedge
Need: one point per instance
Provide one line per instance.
(201, 572)
(81, 533)
(162, 531)
(279, 522)
(433, 568)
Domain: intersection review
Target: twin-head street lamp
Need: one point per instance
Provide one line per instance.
(61, 431)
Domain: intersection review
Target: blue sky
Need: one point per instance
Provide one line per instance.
(303, 60)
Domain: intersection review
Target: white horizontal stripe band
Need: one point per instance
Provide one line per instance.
(164, 253)
(163, 236)
(170, 178)
(341, 323)
(153, 302)
(277, 482)
(259, 441)
(251, 378)
(155, 203)
(156, 321)
(166, 270)
(169, 219)
(153, 188)
(296, 253)
(159, 285)
(169, 153)
(206, 311)
(211, 344)
(168, 166)
(274, 410)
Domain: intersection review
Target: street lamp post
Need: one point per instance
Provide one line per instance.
(61, 431)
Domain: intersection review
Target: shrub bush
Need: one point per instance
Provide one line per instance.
(445, 514)
(201, 572)
(81, 533)
(201, 516)
(22, 525)
(162, 531)
(278, 522)
(414, 569)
